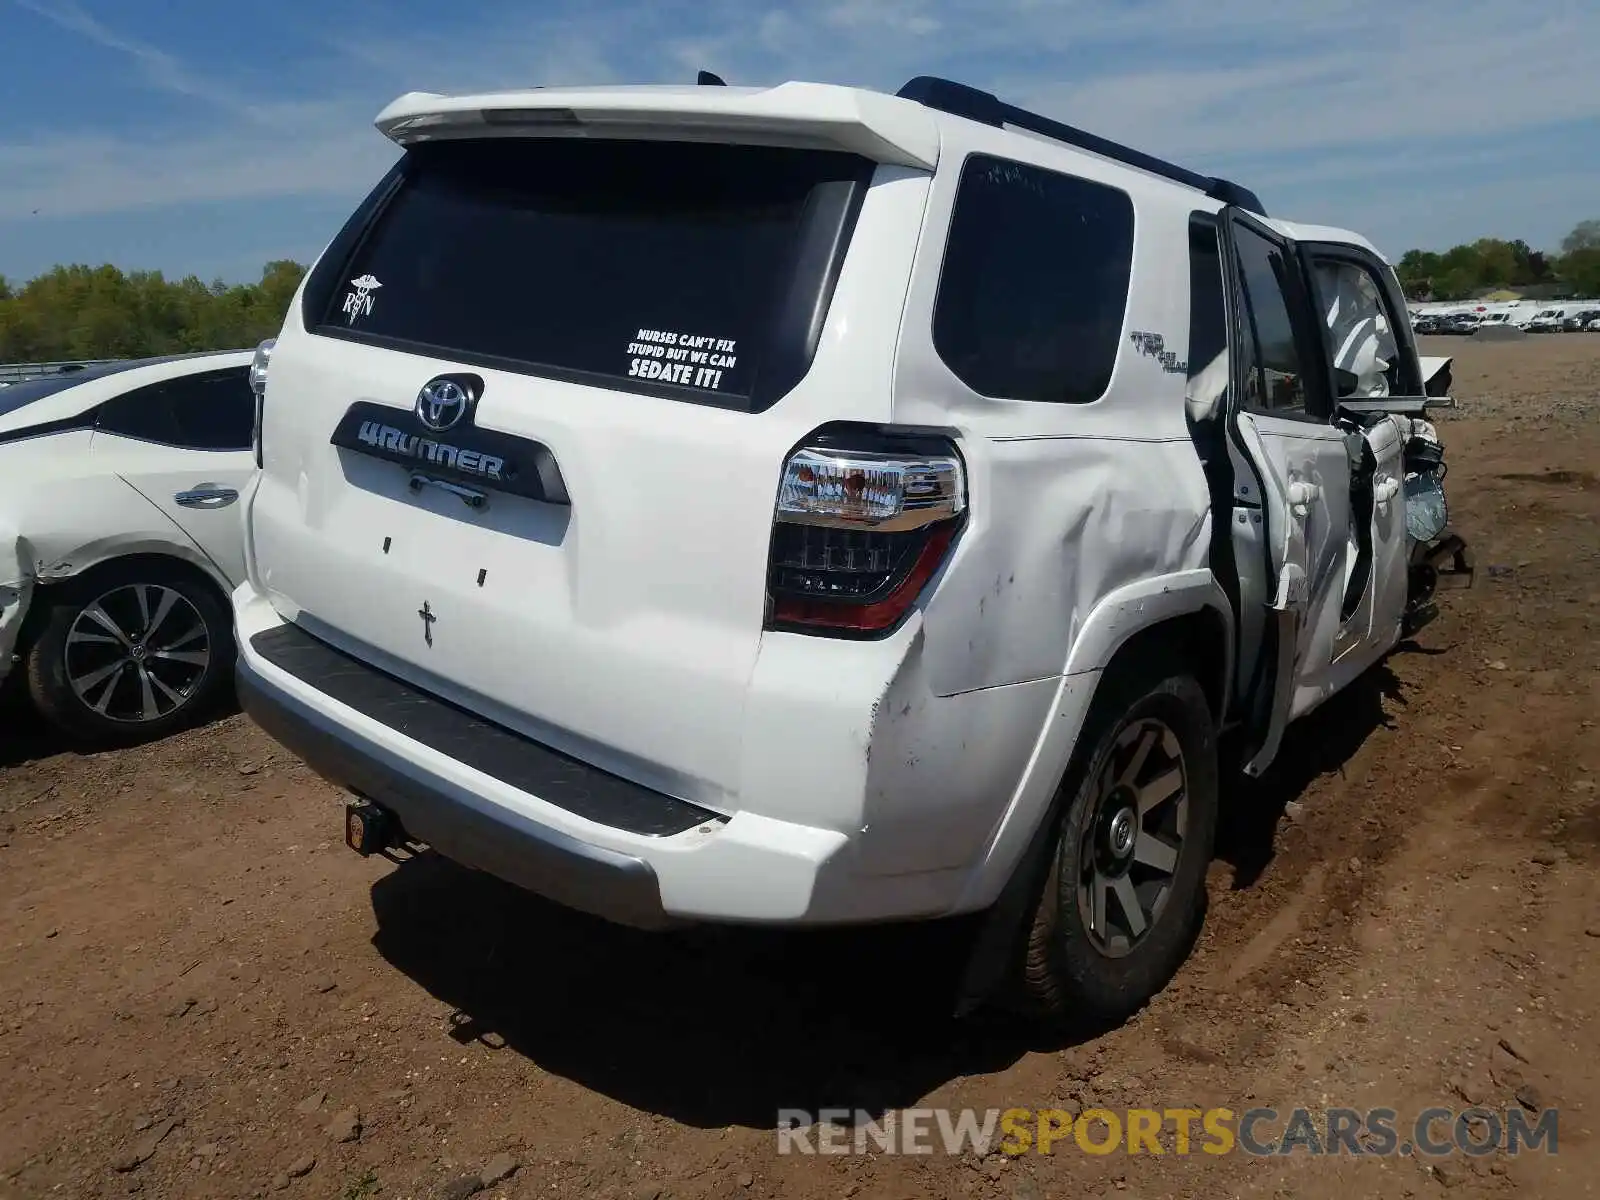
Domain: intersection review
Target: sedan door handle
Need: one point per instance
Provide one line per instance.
(207, 495)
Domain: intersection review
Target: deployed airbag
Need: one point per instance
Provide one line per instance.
(1363, 342)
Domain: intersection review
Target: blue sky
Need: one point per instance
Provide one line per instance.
(208, 137)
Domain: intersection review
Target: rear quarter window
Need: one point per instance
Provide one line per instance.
(214, 410)
(694, 269)
(1035, 282)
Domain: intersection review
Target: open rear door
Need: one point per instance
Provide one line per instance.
(1290, 505)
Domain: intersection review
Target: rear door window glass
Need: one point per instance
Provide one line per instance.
(1276, 381)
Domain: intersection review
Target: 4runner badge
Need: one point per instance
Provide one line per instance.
(359, 302)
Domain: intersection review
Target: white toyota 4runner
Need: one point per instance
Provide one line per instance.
(805, 505)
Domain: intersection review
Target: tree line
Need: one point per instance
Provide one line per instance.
(1490, 264)
(82, 312)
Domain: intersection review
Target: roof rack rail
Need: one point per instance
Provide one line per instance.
(960, 100)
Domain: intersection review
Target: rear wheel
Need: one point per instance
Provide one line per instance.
(1125, 893)
(131, 653)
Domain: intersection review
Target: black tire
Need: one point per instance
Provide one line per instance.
(1070, 972)
(113, 711)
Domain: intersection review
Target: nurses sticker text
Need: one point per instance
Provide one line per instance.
(688, 359)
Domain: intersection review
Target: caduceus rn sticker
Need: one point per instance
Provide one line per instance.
(359, 302)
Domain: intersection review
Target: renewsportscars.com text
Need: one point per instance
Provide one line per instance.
(1262, 1132)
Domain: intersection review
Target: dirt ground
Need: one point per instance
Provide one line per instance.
(204, 994)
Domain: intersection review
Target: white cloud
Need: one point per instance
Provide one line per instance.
(906, 17)
(1417, 84)
(161, 70)
(1342, 106)
(78, 176)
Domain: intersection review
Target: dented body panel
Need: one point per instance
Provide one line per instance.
(71, 498)
(64, 513)
(1072, 502)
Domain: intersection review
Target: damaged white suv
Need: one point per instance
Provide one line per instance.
(805, 505)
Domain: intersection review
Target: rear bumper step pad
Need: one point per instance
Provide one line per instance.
(452, 820)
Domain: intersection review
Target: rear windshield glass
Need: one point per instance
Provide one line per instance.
(658, 264)
(14, 396)
(17, 395)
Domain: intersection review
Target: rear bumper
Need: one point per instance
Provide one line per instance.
(585, 838)
(454, 821)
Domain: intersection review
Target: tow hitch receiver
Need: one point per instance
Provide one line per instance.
(367, 828)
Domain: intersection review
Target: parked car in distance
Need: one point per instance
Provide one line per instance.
(733, 515)
(1580, 320)
(120, 539)
(1547, 321)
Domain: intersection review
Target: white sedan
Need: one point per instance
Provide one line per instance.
(120, 539)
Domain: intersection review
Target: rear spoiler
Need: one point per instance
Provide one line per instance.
(808, 115)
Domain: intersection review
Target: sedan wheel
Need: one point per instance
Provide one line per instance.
(130, 653)
(137, 653)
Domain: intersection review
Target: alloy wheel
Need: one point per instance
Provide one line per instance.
(1134, 838)
(138, 653)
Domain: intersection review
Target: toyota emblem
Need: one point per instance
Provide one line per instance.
(442, 403)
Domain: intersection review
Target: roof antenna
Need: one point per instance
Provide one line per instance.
(707, 79)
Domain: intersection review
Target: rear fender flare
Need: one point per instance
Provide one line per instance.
(1004, 885)
(1138, 607)
(1148, 607)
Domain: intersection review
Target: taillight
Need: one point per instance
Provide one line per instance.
(858, 532)
(258, 385)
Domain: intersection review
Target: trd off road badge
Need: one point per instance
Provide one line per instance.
(359, 302)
